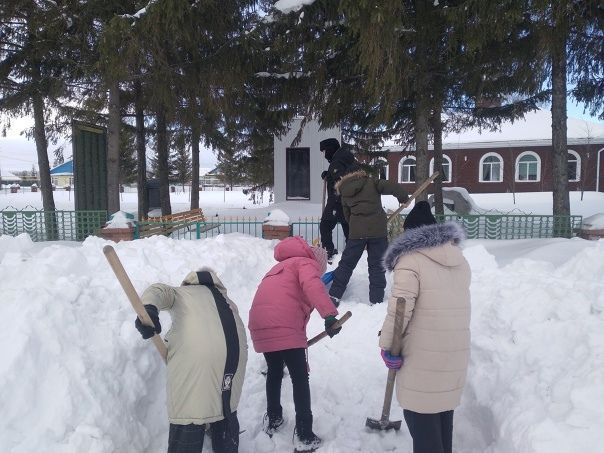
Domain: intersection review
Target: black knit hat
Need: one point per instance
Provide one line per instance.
(329, 144)
(419, 216)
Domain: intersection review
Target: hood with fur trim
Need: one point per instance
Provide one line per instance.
(425, 240)
(353, 181)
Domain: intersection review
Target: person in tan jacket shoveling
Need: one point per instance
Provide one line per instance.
(207, 355)
(432, 275)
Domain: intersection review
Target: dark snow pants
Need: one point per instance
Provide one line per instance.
(189, 438)
(431, 433)
(330, 217)
(295, 360)
(376, 247)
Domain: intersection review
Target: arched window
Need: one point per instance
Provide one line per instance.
(491, 168)
(406, 169)
(381, 165)
(446, 170)
(528, 167)
(574, 166)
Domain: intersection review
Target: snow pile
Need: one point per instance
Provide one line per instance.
(76, 376)
(276, 217)
(120, 219)
(594, 222)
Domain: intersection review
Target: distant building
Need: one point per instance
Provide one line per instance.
(62, 175)
(213, 178)
(9, 178)
(516, 159)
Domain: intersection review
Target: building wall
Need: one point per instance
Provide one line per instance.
(311, 136)
(466, 168)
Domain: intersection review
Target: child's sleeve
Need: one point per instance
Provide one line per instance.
(160, 295)
(314, 290)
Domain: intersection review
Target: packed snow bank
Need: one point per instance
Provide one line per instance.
(76, 376)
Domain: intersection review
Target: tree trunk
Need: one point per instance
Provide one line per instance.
(561, 201)
(162, 162)
(141, 156)
(421, 144)
(437, 129)
(48, 202)
(195, 170)
(113, 150)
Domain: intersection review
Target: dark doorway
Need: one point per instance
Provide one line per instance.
(297, 173)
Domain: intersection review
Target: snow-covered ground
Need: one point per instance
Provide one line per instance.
(76, 377)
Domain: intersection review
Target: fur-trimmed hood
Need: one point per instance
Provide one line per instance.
(358, 175)
(427, 240)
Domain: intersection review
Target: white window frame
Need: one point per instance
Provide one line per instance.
(387, 166)
(400, 168)
(517, 167)
(445, 157)
(578, 165)
(480, 173)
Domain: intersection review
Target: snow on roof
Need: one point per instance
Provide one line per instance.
(535, 128)
(8, 176)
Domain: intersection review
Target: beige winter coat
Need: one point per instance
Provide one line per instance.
(207, 348)
(431, 273)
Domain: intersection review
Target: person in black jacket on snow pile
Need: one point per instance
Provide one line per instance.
(340, 160)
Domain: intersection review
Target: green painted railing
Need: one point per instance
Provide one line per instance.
(508, 226)
(77, 225)
(51, 225)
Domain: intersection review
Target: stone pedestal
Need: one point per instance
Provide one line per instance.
(118, 234)
(276, 232)
(592, 235)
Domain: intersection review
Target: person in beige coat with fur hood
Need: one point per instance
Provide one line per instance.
(432, 275)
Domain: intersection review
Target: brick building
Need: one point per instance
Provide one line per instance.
(515, 159)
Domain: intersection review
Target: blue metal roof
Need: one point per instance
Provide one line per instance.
(64, 168)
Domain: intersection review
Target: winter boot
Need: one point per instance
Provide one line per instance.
(305, 440)
(271, 423)
(330, 254)
(335, 301)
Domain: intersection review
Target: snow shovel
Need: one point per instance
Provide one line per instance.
(133, 297)
(424, 185)
(384, 423)
(345, 317)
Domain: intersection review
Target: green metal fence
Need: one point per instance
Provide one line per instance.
(51, 225)
(77, 225)
(200, 230)
(508, 226)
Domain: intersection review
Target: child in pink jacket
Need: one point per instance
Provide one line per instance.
(280, 311)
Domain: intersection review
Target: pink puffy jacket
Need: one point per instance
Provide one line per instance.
(285, 298)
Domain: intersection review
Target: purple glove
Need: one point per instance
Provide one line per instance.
(394, 362)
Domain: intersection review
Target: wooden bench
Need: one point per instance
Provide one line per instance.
(167, 224)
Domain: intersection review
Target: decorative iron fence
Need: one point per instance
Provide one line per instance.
(508, 226)
(77, 225)
(51, 225)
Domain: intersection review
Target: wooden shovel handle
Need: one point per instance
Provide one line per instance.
(133, 297)
(345, 317)
(395, 349)
(424, 185)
